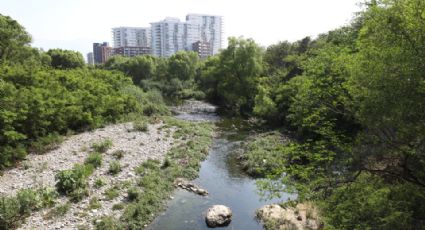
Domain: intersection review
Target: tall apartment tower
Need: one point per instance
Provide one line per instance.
(210, 30)
(101, 52)
(90, 58)
(169, 36)
(131, 37)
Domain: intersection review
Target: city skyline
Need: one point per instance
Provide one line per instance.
(77, 24)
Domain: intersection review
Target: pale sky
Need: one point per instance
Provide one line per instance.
(76, 24)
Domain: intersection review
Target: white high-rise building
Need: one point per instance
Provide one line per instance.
(210, 29)
(131, 37)
(168, 37)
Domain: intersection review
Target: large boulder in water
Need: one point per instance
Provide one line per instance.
(218, 216)
(302, 216)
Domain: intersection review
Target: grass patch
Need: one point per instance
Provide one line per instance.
(114, 167)
(140, 125)
(118, 206)
(102, 147)
(112, 193)
(94, 159)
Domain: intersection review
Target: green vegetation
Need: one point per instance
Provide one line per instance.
(112, 192)
(98, 183)
(156, 180)
(94, 159)
(73, 182)
(262, 154)
(65, 59)
(114, 167)
(175, 77)
(102, 147)
(13, 210)
(94, 203)
(140, 125)
(352, 102)
(44, 95)
(108, 223)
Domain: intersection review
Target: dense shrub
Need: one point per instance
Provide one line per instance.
(73, 182)
(14, 209)
(37, 104)
(94, 159)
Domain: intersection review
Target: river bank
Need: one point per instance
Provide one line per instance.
(144, 156)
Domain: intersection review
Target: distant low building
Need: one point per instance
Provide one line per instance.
(203, 49)
(131, 51)
(90, 58)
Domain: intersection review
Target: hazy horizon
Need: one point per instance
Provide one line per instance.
(77, 24)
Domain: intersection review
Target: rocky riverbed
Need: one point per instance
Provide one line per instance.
(39, 171)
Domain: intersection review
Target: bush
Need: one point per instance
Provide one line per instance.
(133, 194)
(46, 143)
(102, 146)
(14, 209)
(9, 213)
(28, 200)
(108, 223)
(140, 125)
(73, 182)
(57, 101)
(114, 167)
(94, 159)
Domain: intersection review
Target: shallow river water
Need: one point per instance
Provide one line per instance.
(226, 183)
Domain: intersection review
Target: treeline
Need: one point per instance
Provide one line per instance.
(353, 100)
(44, 95)
(177, 77)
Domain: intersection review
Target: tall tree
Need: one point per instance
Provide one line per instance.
(14, 40)
(66, 59)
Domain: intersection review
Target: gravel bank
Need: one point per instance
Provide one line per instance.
(39, 170)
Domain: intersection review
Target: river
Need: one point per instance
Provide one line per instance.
(225, 181)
